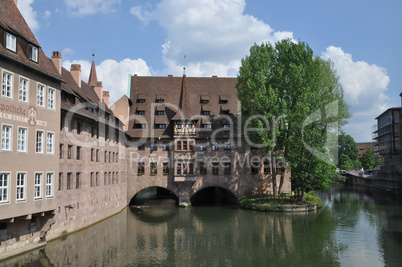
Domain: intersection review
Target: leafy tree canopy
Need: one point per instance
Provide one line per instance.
(295, 101)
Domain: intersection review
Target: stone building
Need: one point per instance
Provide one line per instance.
(91, 178)
(185, 136)
(30, 121)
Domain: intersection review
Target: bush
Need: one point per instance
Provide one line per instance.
(248, 193)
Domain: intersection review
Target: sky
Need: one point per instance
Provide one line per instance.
(362, 38)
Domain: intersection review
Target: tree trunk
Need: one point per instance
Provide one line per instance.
(273, 160)
(281, 182)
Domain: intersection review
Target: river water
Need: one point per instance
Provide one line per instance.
(354, 228)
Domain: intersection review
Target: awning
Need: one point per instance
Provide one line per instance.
(206, 108)
(225, 107)
(205, 97)
(224, 97)
(141, 96)
(141, 107)
(160, 107)
(206, 121)
(160, 120)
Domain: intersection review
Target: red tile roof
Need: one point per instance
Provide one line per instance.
(13, 22)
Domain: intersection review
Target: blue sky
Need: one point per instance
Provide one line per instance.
(362, 37)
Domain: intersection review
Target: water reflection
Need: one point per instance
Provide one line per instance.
(355, 227)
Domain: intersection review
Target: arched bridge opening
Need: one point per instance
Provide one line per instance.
(154, 195)
(214, 196)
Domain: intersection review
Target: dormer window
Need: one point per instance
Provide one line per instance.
(223, 99)
(160, 99)
(141, 99)
(33, 53)
(11, 42)
(204, 99)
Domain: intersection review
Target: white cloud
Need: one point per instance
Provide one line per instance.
(47, 14)
(365, 89)
(67, 51)
(29, 14)
(113, 74)
(90, 7)
(214, 34)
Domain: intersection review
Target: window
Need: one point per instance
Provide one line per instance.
(21, 186)
(38, 186)
(160, 113)
(61, 151)
(6, 138)
(39, 141)
(33, 53)
(184, 145)
(97, 155)
(60, 181)
(92, 154)
(78, 127)
(140, 112)
(153, 169)
(214, 146)
(227, 168)
(11, 42)
(206, 126)
(97, 179)
(4, 179)
(40, 96)
(51, 99)
(226, 126)
(7, 85)
(190, 145)
(160, 126)
(78, 152)
(69, 177)
(165, 168)
(140, 100)
(140, 126)
(267, 168)
(91, 181)
(178, 126)
(50, 143)
(94, 131)
(204, 101)
(205, 113)
(178, 145)
(255, 169)
(49, 185)
(23, 94)
(184, 168)
(141, 169)
(105, 178)
(165, 147)
(105, 156)
(151, 147)
(69, 151)
(215, 168)
(191, 168)
(226, 146)
(22, 139)
(77, 180)
(203, 169)
(178, 168)
(141, 147)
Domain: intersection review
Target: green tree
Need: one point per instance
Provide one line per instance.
(370, 159)
(300, 96)
(348, 151)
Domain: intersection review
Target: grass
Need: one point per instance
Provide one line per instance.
(271, 203)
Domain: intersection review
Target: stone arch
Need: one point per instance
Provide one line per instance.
(212, 183)
(135, 188)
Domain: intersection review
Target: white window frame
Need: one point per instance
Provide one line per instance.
(4, 188)
(51, 99)
(40, 97)
(38, 185)
(34, 53)
(39, 146)
(11, 42)
(7, 86)
(50, 143)
(23, 92)
(21, 182)
(6, 137)
(49, 184)
(22, 139)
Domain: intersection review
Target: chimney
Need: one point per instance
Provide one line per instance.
(76, 73)
(106, 97)
(98, 90)
(56, 58)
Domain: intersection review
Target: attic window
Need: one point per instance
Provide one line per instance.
(160, 99)
(204, 99)
(11, 42)
(141, 99)
(33, 53)
(223, 99)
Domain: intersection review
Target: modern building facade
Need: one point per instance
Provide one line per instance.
(30, 122)
(387, 133)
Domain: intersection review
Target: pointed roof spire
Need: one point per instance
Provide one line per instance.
(92, 74)
(183, 102)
